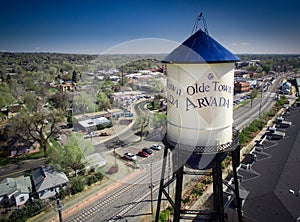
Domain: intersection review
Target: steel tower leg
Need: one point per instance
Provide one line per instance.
(161, 186)
(178, 194)
(215, 190)
(220, 185)
(218, 189)
(235, 163)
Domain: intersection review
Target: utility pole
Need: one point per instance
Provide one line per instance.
(261, 97)
(151, 188)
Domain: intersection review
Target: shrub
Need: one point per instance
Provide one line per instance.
(186, 200)
(29, 210)
(109, 125)
(100, 127)
(77, 185)
(242, 137)
(163, 216)
(99, 176)
(92, 179)
(62, 194)
(198, 190)
(252, 127)
(207, 181)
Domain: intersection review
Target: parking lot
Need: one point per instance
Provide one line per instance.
(135, 149)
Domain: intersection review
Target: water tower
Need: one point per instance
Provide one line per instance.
(200, 79)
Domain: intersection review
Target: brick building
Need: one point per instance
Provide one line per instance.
(240, 87)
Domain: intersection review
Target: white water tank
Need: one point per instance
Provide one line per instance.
(200, 80)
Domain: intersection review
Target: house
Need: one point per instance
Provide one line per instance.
(48, 181)
(66, 87)
(15, 191)
(240, 87)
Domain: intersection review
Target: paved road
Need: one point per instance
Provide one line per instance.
(15, 170)
(246, 114)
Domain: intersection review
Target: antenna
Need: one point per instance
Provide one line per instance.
(198, 19)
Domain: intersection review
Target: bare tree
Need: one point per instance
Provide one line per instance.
(38, 126)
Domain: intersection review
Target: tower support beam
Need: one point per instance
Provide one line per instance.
(178, 194)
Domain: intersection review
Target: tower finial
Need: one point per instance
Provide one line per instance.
(200, 18)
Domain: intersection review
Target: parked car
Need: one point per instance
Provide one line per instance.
(128, 114)
(130, 156)
(120, 143)
(57, 137)
(142, 154)
(147, 150)
(155, 147)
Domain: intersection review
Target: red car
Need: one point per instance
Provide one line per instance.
(142, 154)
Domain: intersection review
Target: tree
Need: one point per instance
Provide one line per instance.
(73, 154)
(107, 87)
(266, 67)
(141, 123)
(33, 103)
(102, 101)
(29, 83)
(52, 71)
(159, 120)
(6, 97)
(61, 100)
(74, 76)
(37, 124)
(83, 103)
(157, 85)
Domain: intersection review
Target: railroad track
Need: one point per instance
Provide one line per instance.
(89, 212)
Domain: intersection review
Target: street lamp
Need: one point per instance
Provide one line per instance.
(59, 205)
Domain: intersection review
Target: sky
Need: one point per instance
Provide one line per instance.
(157, 26)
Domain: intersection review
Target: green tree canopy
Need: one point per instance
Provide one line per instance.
(158, 120)
(6, 97)
(73, 154)
(102, 102)
(83, 103)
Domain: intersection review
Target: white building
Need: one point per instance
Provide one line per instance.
(92, 123)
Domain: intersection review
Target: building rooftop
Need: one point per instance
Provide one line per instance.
(10, 186)
(270, 178)
(47, 177)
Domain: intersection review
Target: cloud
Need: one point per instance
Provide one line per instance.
(143, 46)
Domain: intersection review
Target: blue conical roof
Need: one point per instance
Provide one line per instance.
(200, 48)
